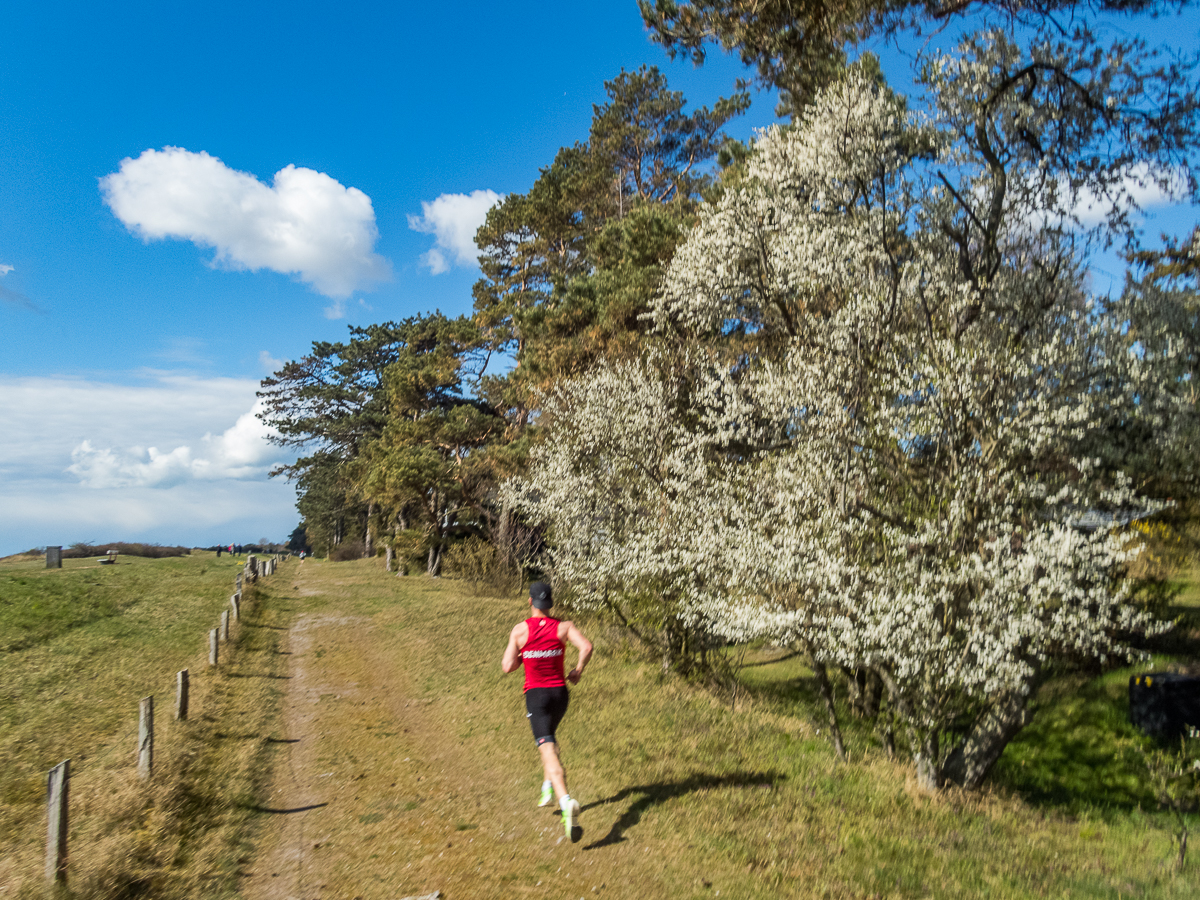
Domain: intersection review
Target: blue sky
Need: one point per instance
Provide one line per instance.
(134, 334)
(128, 362)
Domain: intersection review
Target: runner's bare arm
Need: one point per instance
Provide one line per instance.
(583, 645)
(511, 660)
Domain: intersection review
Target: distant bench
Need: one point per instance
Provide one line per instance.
(109, 558)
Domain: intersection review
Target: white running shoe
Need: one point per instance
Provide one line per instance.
(547, 794)
(570, 814)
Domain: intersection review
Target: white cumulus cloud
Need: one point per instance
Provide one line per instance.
(453, 219)
(1139, 185)
(151, 456)
(305, 223)
(4, 270)
(241, 451)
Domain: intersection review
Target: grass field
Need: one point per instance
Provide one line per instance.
(81, 646)
(415, 751)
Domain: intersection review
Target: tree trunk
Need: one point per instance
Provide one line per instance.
(972, 759)
(854, 689)
(369, 539)
(929, 772)
(504, 536)
(865, 691)
(827, 695)
(889, 736)
(433, 566)
(872, 692)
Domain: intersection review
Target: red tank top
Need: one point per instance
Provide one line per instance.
(543, 654)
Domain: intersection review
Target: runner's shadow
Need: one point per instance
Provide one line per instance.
(654, 794)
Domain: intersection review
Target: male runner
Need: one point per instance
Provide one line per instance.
(540, 642)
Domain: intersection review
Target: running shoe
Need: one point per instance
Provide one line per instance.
(570, 816)
(547, 794)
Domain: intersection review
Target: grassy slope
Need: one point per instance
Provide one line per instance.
(81, 646)
(432, 779)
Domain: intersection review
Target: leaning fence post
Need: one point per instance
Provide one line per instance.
(56, 832)
(145, 765)
(181, 695)
(225, 625)
(237, 612)
(212, 647)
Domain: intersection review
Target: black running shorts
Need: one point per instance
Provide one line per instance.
(546, 708)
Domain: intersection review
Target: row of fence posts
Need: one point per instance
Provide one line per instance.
(59, 779)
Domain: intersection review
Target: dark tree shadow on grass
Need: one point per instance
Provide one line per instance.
(650, 795)
(1080, 751)
(283, 812)
(791, 654)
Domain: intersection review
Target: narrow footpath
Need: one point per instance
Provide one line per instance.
(402, 760)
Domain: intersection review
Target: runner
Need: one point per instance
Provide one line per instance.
(540, 642)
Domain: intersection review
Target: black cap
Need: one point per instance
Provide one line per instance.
(539, 593)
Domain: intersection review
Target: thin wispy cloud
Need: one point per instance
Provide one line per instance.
(186, 350)
(16, 298)
(453, 220)
(269, 363)
(304, 223)
(1139, 186)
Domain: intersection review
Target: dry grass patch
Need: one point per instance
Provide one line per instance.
(74, 694)
(424, 769)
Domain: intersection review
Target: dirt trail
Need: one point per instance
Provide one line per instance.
(287, 869)
(392, 781)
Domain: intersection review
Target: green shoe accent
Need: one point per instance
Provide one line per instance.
(547, 795)
(571, 821)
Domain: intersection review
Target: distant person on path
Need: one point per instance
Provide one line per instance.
(540, 643)
(218, 552)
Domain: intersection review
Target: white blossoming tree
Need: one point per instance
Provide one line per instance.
(889, 412)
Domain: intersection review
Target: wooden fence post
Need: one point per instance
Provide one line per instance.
(225, 625)
(181, 695)
(56, 833)
(237, 607)
(145, 765)
(212, 647)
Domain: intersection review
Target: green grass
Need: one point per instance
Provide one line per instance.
(81, 646)
(1080, 753)
(432, 775)
(686, 792)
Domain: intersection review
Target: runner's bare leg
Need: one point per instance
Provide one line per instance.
(552, 766)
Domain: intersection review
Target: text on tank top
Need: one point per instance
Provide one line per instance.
(543, 654)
